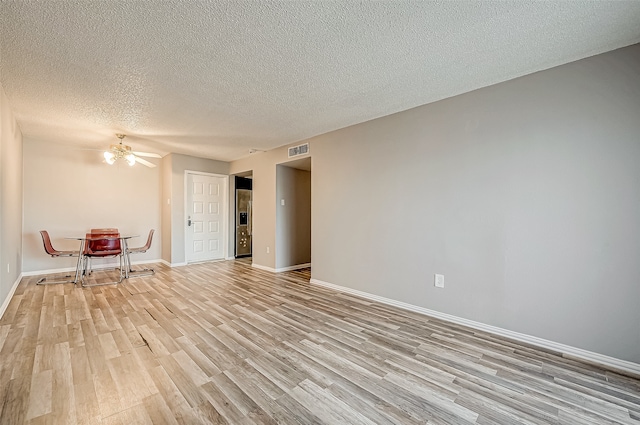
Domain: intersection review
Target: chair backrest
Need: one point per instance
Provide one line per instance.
(108, 246)
(105, 231)
(148, 244)
(46, 240)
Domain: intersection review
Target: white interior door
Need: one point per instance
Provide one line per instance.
(205, 213)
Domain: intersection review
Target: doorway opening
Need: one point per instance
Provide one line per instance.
(243, 216)
(293, 215)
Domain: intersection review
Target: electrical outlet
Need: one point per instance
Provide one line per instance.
(268, 250)
(438, 280)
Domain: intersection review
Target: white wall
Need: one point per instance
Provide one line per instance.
(68, 191)
(10, 199)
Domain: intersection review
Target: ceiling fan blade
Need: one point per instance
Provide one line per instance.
(147, 154)
(145, 162)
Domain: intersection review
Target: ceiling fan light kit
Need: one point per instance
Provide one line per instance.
(121, 151)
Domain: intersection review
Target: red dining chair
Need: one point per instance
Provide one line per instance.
(140, 250)
(49, 249)
(102, 243)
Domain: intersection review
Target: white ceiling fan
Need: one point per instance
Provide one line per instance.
(120, 151)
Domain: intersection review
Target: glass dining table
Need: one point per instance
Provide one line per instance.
(81, 265)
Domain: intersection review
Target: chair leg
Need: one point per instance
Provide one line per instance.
(141, 272)
(84, 285)
(136, 273)
(86, 269)
(43, 281)
(129, 269)
(79, 264)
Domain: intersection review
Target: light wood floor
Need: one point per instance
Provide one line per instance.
(225, 343)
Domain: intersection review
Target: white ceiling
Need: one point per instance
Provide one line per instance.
(215, 79)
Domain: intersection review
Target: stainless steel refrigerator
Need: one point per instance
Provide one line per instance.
(243, 222)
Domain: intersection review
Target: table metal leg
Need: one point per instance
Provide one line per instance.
(127, 260)
(79, 263)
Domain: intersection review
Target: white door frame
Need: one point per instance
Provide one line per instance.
(225, 208)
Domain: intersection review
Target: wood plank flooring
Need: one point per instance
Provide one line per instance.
(225, 343)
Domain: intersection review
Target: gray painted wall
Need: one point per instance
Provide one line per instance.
(525, 195)
(293, 219)
(10, 199)
(263, 169)
(165, 207)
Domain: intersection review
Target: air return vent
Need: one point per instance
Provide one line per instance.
(299, 150)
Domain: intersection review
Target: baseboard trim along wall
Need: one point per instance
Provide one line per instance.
(51, 271)
(265, 268)
(166, 263)
(99, 267)
(7, 300)
(567, 351)
(281, 269)
(296, 267)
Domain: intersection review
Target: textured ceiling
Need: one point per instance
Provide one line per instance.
(215, 79)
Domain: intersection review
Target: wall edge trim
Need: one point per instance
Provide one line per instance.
(12, 291)
(566, 351)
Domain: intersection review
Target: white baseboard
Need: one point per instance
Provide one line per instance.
(95, 267)
(168, 264)
(7, 300)
(566, 350)
(147, 261)
(265, 268)
(281, 269)
(49, 271)
(296, 267)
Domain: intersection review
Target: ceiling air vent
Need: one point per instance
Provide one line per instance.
(299, 150)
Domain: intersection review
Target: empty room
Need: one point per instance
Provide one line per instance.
(319, 212)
